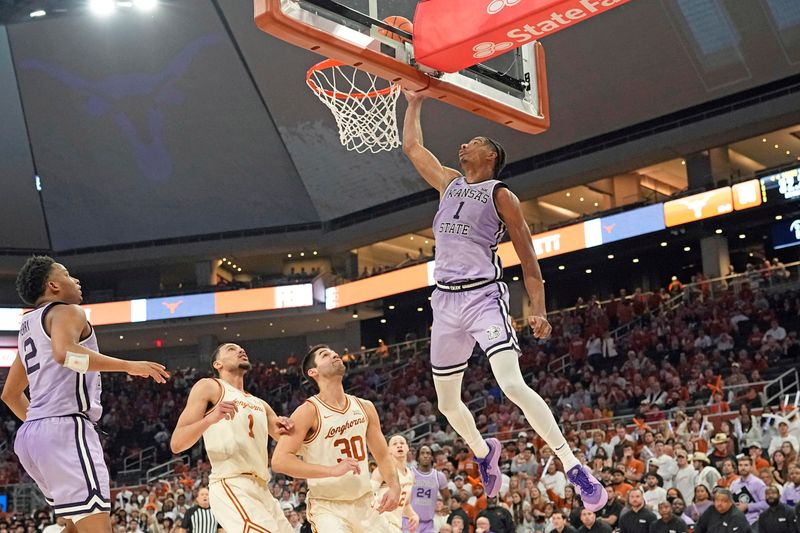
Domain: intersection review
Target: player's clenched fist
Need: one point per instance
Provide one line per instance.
(222, 411)
(344, 466)
(540, 326)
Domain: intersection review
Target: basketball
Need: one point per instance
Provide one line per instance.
(401, 23)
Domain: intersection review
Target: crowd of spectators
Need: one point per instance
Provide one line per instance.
(675, 375)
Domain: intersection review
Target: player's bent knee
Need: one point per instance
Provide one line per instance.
(514, 389)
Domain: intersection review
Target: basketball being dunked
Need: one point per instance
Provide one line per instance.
(470, 303)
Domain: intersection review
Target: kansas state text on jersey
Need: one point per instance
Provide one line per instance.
(467, 229)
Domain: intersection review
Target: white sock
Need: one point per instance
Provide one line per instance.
(448, 392)
(505, 367)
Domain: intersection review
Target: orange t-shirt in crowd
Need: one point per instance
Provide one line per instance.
(726, 481)
(622, 490)
(634, 469)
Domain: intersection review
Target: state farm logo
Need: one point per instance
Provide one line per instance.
(496, 6)
(488, 49)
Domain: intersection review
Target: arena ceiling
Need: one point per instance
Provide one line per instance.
(190, 121)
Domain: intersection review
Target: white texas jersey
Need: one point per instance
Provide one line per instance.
(406, 484)
(239, 446)
(340, 433)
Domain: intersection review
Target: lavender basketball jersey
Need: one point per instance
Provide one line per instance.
(425, 492)
(55, 390)
(467, 229)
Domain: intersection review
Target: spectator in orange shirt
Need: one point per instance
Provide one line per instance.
(756, 455)
(728, 474)
(634, 468)
(621, 487)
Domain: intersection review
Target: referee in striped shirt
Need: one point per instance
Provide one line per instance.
(198, 518)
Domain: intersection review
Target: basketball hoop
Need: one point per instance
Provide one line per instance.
(365, 112)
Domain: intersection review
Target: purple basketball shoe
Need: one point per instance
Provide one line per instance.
(592, 492)
(489, 466)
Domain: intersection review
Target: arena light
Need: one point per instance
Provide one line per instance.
(635, 259)
(38, 13)
(687, 248)
(778, 217)
(145, 5)
(718, 231)
(102, 7)
(611, 256)
(419, 309)
(391, 308)
(588, 270)
(561, 267)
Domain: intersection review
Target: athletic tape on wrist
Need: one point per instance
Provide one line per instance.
(78, 362)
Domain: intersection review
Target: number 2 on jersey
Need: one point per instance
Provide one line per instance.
(460, 205)
(30, 353)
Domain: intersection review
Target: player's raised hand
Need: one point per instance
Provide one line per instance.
(413, 96)
(344, 466)
(147, 369)
(389, 500)
(540, 326)
(285, 425)
(222, 411)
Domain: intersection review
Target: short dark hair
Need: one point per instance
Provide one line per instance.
(559, 513)
(310, 360)
(215, 355)
(500, 160)
(419, 450)
(32, 278)
(745, 458)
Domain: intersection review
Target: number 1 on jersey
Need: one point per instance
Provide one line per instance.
(252, 435)
(460, 205)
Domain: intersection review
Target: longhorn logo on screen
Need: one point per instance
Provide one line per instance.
(496, 6)
(111, 98)
(172, 306)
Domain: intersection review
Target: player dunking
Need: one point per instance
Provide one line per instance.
(235, 427)
(398, 448)
(428, 484)
(471, 302)
(59, 360)
(333, 432)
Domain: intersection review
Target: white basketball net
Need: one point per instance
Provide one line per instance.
(363, 105)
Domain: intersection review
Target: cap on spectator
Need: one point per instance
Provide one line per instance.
(522, 435)
(458, 477)
(286, 506)
(435, 447)
(755, 444)
(719, 438)
(700, 456)
(618, 470)
(529, 446)
(659, 479)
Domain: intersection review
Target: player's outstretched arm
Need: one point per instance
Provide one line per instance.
(511, 213)
(428, 166)
(194, 420)
(67, 324)
(376, 443)
(285, 460)
(14, 389)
